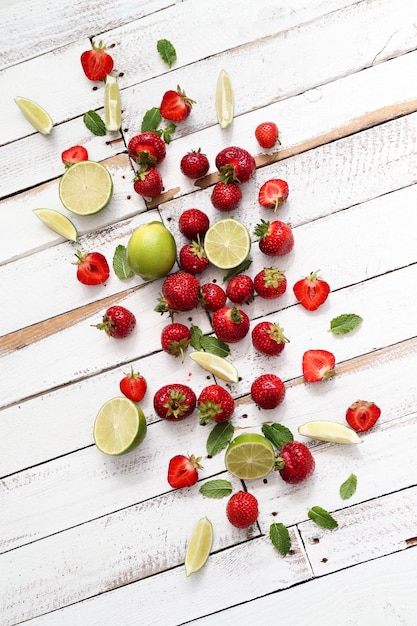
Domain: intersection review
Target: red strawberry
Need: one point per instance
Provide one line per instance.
(242, 509)
(194, 164)
(193, 223)
(270, 283)
(275, 238)
(147, 148)
(215, 403)
(311, 291)
(96, 63)
(174, 402)
(295, 462)
(273, 193)
(117, 322)
(193, 258)
(235, 164)
(268, 338)
(230, 324)
(267, 134)
(148, 182)
(92, 268)
(180, 292)
(133, 386)
(212, 297)
(74, 155)
(175, 105)
(267, 391)
(318, 365)
(226, 196)
(240, 289)
(362, 415)
(175, 339)
(183, 471)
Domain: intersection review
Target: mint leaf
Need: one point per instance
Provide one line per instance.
(216, 489)
(277, 434)
(167, 51)
(219, 438)
(214, 345)
(344, 323)
(151, 120)
(322, 518)
(348, 488)
(234, 271)
(121, 265)
(280, 538)
(196, 336)
(167, 132)
(94, 123)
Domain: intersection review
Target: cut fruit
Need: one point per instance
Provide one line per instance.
(224, 100)
(199, 546)
(35, 114)
(250, 456)
(227, 243)
(112, 105)
(119, 427)
(58, 223)
(329, 431)
(86, 188)
(217, 365)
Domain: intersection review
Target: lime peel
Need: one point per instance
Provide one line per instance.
(199, 546)
(216, 365)
(120, 426)
(325, 430)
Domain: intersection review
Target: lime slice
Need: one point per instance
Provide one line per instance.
(119, 427)
(112, 105)
(250, 456)
(199, 546)
(227, 243)
(224, 100)
(217, 365)
(58, 223)
(35, 114)
(329, 431)
(86, 188)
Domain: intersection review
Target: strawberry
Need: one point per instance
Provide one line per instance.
(174, 402)
(230, 324)
(193, 223)
(133, 386)
(270, 283)
(92, 268)
(268, 338)
(318, 365)
(273, 193)
(175, 105)
(226, 196)
(267, 391)
(275, 238)
(180, 292)
(235, 165)
(215, 403)
(193, 258)
(194, 164)
(212, 297)
(183, 471)
(362, 415)
(175, 339)
(117, 322)
(267, 134)
(295, 462)
(311, 291)
(147, 148)
(240, 289)
(242, 509)
(96, 63)
(74, 155)
(148, 182)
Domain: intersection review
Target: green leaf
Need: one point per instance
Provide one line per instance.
(322, 518)
(214, 345)
(151, 119)
(344, 323)
(234, 271)
(121, 265)
(280, 537)
(216, 489)
(219, 438)
(277, 434)
(167, 132)
(348, 488)
(167, 51)
(94, 123)
(196, 336)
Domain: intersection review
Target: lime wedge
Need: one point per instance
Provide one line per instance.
(112, 105)
(119, 427)
(86, 188)
(217, 365)
(35, 114)
(250, 456)
(58, 223)
(224, 100)
(199, 546)
(227, 243)
(329, 431)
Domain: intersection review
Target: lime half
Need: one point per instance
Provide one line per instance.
(35, 114)
(112, 104)
(199, 546)
(217, 365)
(119, 427)
(224, 100)
(86, 188)
(250, 456)
(227, 243)
(329, 431)
(58, 223)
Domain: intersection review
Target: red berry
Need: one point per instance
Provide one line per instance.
(311, 291)
(273, 193)
(267, 134)
(318, 365)
(242, 509)
(212, 297)
(230, 324)
(362, 415)
(117, 322)
(193, 223)
(147, 148)
(174, 402)
(194, 164)
(270, 283)
(74, 155)
(295, 462)
(96, 63)
(215, 403)
(180, 292)
(226, 196)
(133, 386)
(193, 258)
(183, 471)
(175, 339)
(235, 164)
(92, 268)
(268, 338)
(148, 182)
(175, 105)
(275, 238)
(267, 391)
(240, 289)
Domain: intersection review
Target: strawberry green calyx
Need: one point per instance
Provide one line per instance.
(179, 347)
(176, 405)
(184, 96)
(261, 229)
(276, 333)
(235, 315)
(195, 461)
(227, 174)
(163, 307)
(99, 46)
(273, 277)
(207, 410)
(132, 374)
(197, 249)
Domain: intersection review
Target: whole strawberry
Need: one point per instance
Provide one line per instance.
(193, 223)
(174, 402)
(180, 292)
(212, 297)
(226, 196)
(175, 339)
(96, 63)
(267, 391)
(194, 164)
(311, 291)
(193, 258)
(175, 105)
(147, 148)
(275, 238)
(240, 289)
(117, 322)
(215, 404)
(268, 338)
(133, 385)
(148, 182)
(267, 134)
(235, 164)
(242, 509)
(270, 283)
(183, 471)
(362, 415)
(230, 324)
(273, 193)
(295, 462)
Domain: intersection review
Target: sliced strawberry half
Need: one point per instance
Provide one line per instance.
(362, 415)
(318, 365)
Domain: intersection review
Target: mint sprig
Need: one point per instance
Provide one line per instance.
(219, 438)
(216, 489)
(167, 51)
(277, 434)
(348, 487)
(345, 323)
(280, 537)
(208, 343)
(121, 265)
(322, 518)
(94, 123)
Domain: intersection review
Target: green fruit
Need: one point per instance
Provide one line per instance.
(151, 251)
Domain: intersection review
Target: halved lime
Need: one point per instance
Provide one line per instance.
(86, 188)
(217, 365)
(329, 431)
(35, 114)
(58, 223)
(250, 456)
(227, 243)
(112, 104)
(224, 100)
(199, 546)
(119, 427)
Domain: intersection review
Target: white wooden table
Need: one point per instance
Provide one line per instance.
(92, 540)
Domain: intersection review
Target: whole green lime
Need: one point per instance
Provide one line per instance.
(151, 251)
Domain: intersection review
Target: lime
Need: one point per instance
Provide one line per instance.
(250, 456)
(35, 114)
(217, 365)
(86, 188)
(329, 431)
(224, 100)
(199, 546)
(227, 243)
(120, 426)
(112, 105)
(58, 223)
(151, 251)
